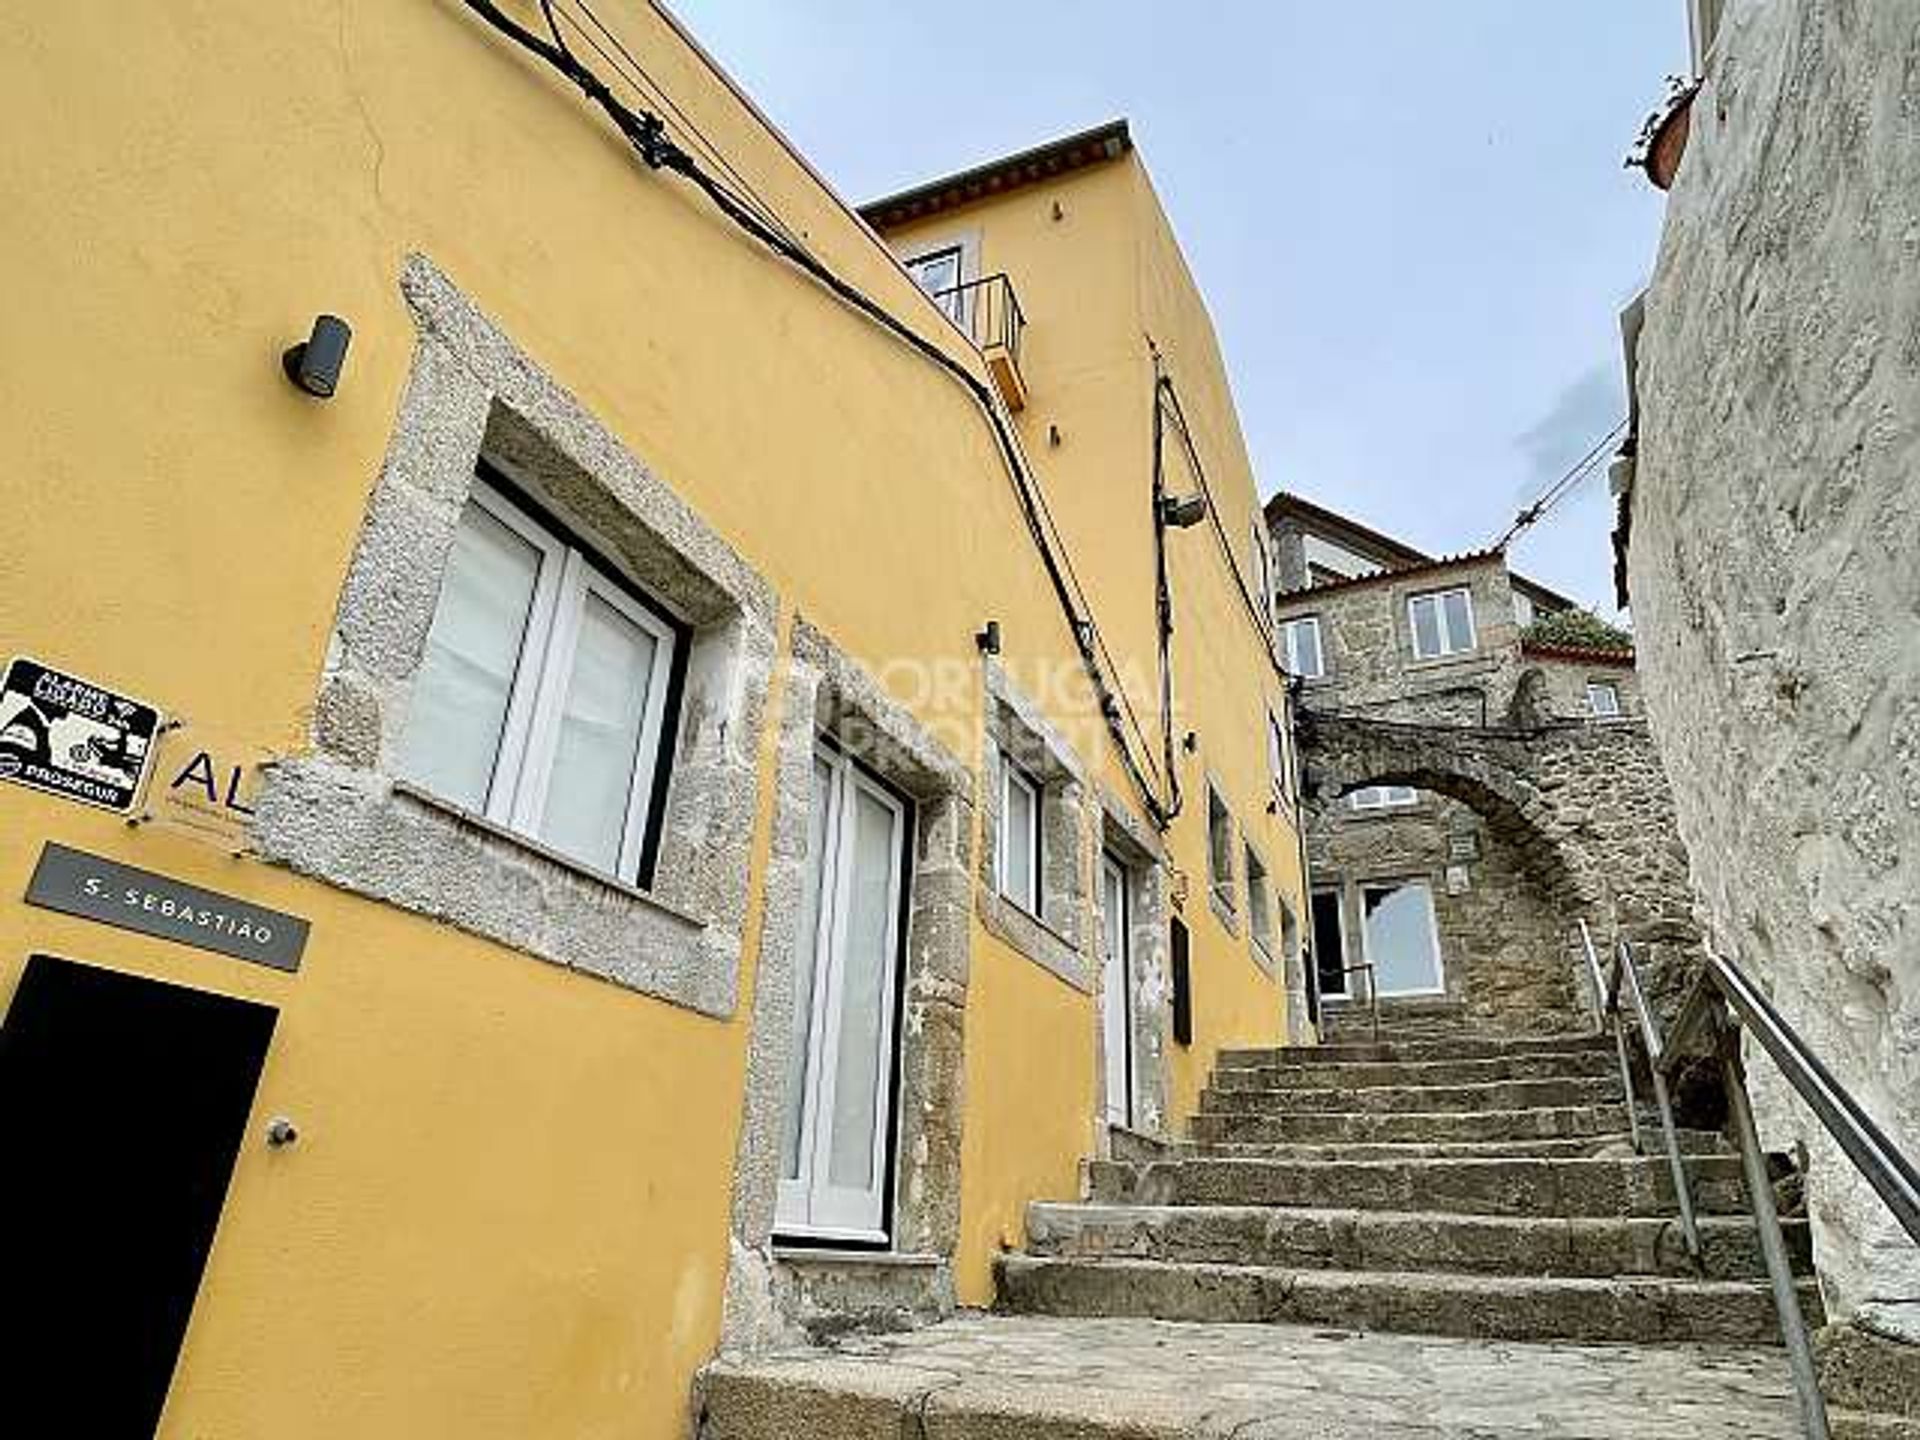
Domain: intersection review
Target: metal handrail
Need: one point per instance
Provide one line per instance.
(1722, 1002)
(1626, 978)
(1723, 987)
(1373, 992)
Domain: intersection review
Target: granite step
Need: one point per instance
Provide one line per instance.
(1230, 1124)
(1614, 1145)
(1595, 1247)
(1422, 1099)
(1557, 1187)
(1472, 1047)
(1642, 1309)
(1020, 1377)
(1373, 1074)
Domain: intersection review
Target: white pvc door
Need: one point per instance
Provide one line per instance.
(1116, 1010)
(840, 1077)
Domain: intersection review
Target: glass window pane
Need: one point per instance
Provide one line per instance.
(1310, 663)
(811, 959)
(593, 765)
(1426, 627)
(1459, 620)
(1016, 842)
(466, 677)
(1400, 937)
(863, 995)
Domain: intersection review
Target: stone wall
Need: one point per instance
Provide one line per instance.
(1557, 684)
(1584, 809)
(1368, 650)
(1503, 939)
(1775, 564)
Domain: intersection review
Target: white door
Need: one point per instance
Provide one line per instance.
(840, 1077)
(1116, 1011)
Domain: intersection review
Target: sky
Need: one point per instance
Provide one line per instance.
(1409, 218)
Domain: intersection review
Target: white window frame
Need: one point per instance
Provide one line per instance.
(1116, 996)
(965, 246)
(1012, 778)
(1290, 647)
(1220, 866)
(810, 1205)
(1611, 711)
(1383, 797)
(1278, 754)
(1450, 644)
(1260, 926)
(529, 741)
(1439, 987)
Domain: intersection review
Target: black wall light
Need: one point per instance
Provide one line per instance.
(314, 364)
(988, 640)
(1182, 513)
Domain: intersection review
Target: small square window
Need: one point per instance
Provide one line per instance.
(1442, 623)
(543, 694)
(1220, 848)
(1020, 837)
(1300, 640)
(1603, 698)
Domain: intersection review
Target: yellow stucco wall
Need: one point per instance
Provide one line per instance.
(507, 1215)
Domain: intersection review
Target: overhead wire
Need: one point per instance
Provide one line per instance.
(622, 59)
(648, 136)
(1559, 490)
(1260, 615)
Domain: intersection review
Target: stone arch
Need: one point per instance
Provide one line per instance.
(1585, 808)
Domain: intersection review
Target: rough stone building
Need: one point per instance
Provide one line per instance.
(1465, 907)
(1771, 528)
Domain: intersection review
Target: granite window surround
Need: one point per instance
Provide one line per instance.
(1222, 862)
(827, 692)
(340, 812)
(1060, 937)
(1261, 927)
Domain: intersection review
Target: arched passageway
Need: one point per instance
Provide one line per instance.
(1532, 831)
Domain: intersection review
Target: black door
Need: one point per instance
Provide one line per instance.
(123, 1103)
(1329, 943)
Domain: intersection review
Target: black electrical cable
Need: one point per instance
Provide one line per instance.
(1163, 605)
(1261, 616)
(1560, 488)
(647, 134)
(622, 59)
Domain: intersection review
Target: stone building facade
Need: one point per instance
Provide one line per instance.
(1774, 527)
(1380, 634)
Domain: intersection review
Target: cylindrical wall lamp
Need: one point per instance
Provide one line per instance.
(314, 364)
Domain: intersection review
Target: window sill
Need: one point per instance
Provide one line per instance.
(1263, 957)
(370, 837)
(1036, 940)
(463, 816)
(1460, 660)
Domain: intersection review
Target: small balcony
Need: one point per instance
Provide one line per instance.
(989, 312)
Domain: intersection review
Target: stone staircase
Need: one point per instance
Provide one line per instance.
(1470, 1187)
(1444, 1236)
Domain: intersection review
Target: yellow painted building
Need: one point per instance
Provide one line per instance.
(680, 749)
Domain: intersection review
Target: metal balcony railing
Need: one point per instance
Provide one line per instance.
(989, 312)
